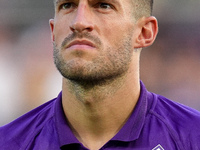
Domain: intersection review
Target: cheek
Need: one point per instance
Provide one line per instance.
(60, 32)
(114, 34)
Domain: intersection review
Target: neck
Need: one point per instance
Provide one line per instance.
(96, 112)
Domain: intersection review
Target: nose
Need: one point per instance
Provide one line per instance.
(82, 21)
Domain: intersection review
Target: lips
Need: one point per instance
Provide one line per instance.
(81, 44)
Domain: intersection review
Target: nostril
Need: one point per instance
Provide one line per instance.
(72, 29)
(89, 29)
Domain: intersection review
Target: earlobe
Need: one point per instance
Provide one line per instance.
(51, 24)
(148, 32)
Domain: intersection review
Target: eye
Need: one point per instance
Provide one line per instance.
(67, 6)
(104, 6)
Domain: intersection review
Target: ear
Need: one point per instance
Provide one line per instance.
(51, 24)
(148, 30)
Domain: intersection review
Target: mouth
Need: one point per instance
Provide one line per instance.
(81, 44)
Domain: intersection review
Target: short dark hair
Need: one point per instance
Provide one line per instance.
(142, 8)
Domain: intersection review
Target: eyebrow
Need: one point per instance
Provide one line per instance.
(116, 2)
(113, 1)
(60, 1)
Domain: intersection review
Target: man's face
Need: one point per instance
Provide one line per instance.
(93, 39)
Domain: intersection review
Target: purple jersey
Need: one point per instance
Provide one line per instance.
(155, 124)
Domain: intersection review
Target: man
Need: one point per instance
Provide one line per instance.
(103, 104)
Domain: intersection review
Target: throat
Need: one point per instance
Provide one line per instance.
(95, 128)
(96, 112)
(95, 122)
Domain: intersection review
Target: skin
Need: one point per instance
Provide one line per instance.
(97, 47)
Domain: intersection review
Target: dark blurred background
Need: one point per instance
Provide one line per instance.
(28, 78)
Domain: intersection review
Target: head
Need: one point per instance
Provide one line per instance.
(99, 40)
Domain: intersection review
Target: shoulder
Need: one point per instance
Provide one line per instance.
(27, 126)
(173, 111)
(182, 121)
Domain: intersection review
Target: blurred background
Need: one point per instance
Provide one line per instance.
(28, 78)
